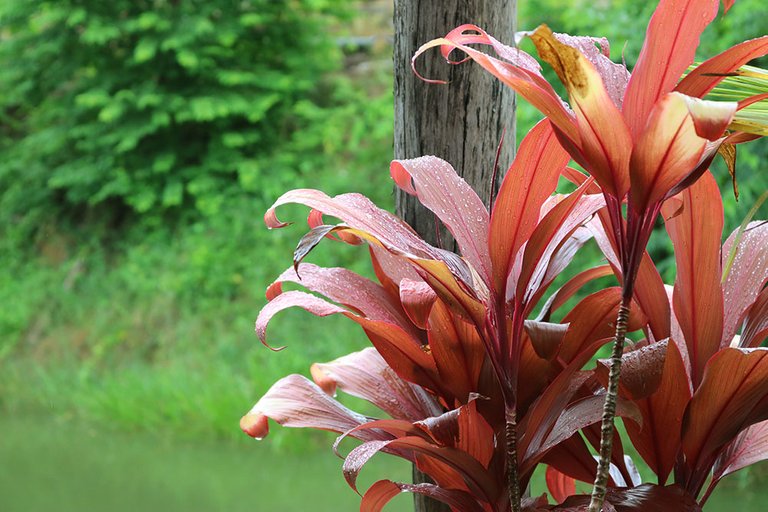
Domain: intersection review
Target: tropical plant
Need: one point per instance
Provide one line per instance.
(457, 328)
(644, 137)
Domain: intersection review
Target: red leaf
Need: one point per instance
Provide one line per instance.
(479, 481)
(747, 275)
(711, 72)
(643, 498)
(560, 486)
(366, 375)
(437, 186)
(545, 337)
(655, 377)
(733, 395)
(530, 180)
(594, 319)
(756, 324)
(603, 144)
(669, 48)
(417, 299)
(569, 289)
(698, 297)
(750, 447)
(458, 352)
(381, 492)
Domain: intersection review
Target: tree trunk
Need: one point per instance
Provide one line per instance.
(461, 122)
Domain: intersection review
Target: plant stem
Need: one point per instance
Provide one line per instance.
(513, 479)
(600, 487)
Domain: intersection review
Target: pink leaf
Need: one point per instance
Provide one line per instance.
(295, 401)
(448, 196)
(746, 277)
(366, 375)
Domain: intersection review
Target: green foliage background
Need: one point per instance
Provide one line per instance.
(141, 142)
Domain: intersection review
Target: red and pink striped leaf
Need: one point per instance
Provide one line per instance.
(366, 375)
(711, 72)
(695, 230)
(669, 48)
(530, 180)
(441, 190)
(733, 396)
(747, 275)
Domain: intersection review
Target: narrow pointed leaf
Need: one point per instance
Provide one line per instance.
(572, 287)
(643, 498)
(521, 73)
(711, 72)
(366, 375)
(604, 139)
(669, 48)
(530, 180)
(698, 297)
(733, 395)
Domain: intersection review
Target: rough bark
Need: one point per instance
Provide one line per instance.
(461, 122)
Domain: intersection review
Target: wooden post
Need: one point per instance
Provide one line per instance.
(461, 122)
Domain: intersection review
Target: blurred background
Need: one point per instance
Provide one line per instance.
(141, 142)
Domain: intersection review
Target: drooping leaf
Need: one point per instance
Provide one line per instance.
(440, 189)
(381, 492)
(522, 73)
(345, 287)
(295, 401)
(366, 375)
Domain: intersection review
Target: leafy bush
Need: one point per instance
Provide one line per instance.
(165, 108)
